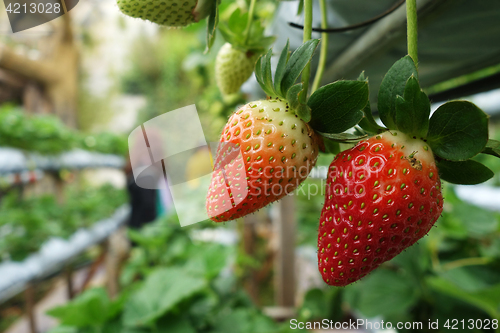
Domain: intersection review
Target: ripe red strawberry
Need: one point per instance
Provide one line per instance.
(382, 196)
(232, 68)
(266, 151)
(171, 13)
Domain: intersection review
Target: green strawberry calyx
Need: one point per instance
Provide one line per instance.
(456, 132)
(288, 70)
(330, 110)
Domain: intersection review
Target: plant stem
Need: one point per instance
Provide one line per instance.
(465, 262)
(306, 73)
(411, 17)
(251, 11)
(324, 47)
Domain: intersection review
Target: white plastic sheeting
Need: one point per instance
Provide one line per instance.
(55, 253)
(16, 161)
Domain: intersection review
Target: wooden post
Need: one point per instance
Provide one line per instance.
(29, 295)
(68, 277)
(285, 225)
(118, 249)
(57, 75)
(95, 265)
(249, 239)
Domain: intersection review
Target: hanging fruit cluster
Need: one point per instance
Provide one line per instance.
(383, 194)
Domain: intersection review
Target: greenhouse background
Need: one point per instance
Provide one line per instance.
(73, 89)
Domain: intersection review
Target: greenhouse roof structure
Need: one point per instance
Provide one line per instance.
(456, 38)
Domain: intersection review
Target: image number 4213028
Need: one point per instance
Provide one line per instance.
(26, 14)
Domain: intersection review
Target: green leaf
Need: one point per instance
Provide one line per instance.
(296, 64)
(383, 293)
(280, 69)
(331, 146)
(263, 73)
(175, 324)
(207, 260)
(304, 112)
(337, 106)
(90, 308)
(344, 137)
(237, 22)
(234, 32)
(296, 105)
(293, 96)
(213, 20)
(163, 289)
(470, 278)
(258, 71)
(492, 148)
(392, 85)
(458, 130)
(318, 303)
(368, 123)
(478, 222)
(485, 299)
(361, 76)
(465, 172)
(413, 110)
(300, 7)
(267, 74)
(243, 320)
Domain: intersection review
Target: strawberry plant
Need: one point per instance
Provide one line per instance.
(48, 135)
(278, 149)
(245, 41)
(384, 194)
(25, 224)
(171, 284)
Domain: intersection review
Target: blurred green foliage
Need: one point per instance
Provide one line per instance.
(92, 110)
(25, 224)
(46, 134)
(170, 284)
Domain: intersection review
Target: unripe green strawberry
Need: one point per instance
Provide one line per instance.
(171, 13)
(232, 68)
(382, 196)
(265, 152)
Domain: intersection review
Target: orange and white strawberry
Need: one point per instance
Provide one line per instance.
(265, 152)
(382, 196)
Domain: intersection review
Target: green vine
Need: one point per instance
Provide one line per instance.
(251, 11)
(324, 47)
(306, 73)
(411, 17)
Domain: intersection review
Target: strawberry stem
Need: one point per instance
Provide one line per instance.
(324, 47)
(251, 11)
(411, 18)
(465, 262)
(306, 73)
